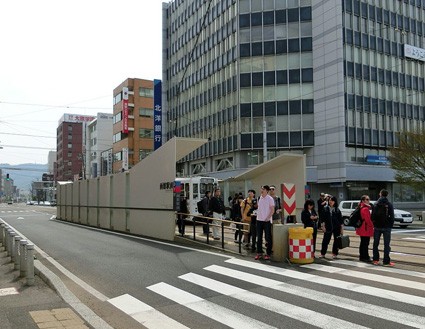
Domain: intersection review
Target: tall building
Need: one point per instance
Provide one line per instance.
(51, 159)
(99, 139)
(70, 146)
(133, 123)
(335, 80)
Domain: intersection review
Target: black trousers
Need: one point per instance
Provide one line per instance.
(327, 238)
(364, 248)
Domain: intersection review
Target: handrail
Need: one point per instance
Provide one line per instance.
(223, 221)
(113, 207)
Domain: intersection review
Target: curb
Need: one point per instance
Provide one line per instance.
(53, 281)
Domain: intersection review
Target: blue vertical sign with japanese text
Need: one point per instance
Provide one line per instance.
(157, 113)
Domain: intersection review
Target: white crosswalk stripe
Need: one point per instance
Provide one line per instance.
(323, 297)
(145, 314)
(300, 306)
(206, 308)
(369, 276)
(286, 309)
(361, 288)
(379, 268)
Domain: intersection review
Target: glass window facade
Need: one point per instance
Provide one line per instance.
(384, 88)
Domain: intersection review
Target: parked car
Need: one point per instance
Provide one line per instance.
(401, 217)
(30, 203)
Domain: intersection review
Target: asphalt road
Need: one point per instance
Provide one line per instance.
(142, 276)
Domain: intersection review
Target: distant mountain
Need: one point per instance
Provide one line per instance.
(24, 174)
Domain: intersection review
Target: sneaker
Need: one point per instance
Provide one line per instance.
(266, 257)
(376, 262)
(322, 256)
(236, 241)
(390, 264)
(216, 238)
(334, 256)
(259, 256)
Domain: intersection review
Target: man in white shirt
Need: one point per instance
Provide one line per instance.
(264, 222)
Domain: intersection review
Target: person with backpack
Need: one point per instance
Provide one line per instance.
(332, 224)
(365, 231)
(383, 220)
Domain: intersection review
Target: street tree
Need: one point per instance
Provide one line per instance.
(408, 159)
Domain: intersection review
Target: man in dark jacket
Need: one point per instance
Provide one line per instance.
(218, 210)
(321, 204)
(383, 224)
(204, 211)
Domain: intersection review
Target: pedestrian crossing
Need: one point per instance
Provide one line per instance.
(15, 211)
(340, 294)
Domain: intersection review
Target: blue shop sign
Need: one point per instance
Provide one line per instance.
(377, 159)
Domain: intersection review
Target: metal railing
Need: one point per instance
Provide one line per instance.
(21, 252)
(225, 224)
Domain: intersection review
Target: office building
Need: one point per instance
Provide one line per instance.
(70, 146)
(133, 123)
(99, 139)
(51, 159)
(335, 80)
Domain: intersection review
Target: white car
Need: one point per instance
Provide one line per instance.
(401, 217)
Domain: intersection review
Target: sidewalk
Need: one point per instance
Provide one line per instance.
(31, 307)
(351, 252)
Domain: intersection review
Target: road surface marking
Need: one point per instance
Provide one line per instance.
(213, 311)
(415, 239)
(368, 276)
(403, 318)
(406, 231)
(380, 268)
(8, 291)
(292, 311)
(144, 314)
(350, 286)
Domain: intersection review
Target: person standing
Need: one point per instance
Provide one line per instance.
(218, 210)
(264, 222)
(383, 220)
(321, 203)
(183, 213)
(205, 205)
(277, 215)
(248, 206)
(365, 231)
(332, 224)
(237, 216)
(309, 219)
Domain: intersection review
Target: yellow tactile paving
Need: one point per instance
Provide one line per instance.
(58, 318)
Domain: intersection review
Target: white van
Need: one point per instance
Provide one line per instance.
(401, 217)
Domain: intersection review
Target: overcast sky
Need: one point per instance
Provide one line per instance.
(67, 57)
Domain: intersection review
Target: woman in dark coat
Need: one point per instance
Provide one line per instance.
(332, 225)
(309, 219)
